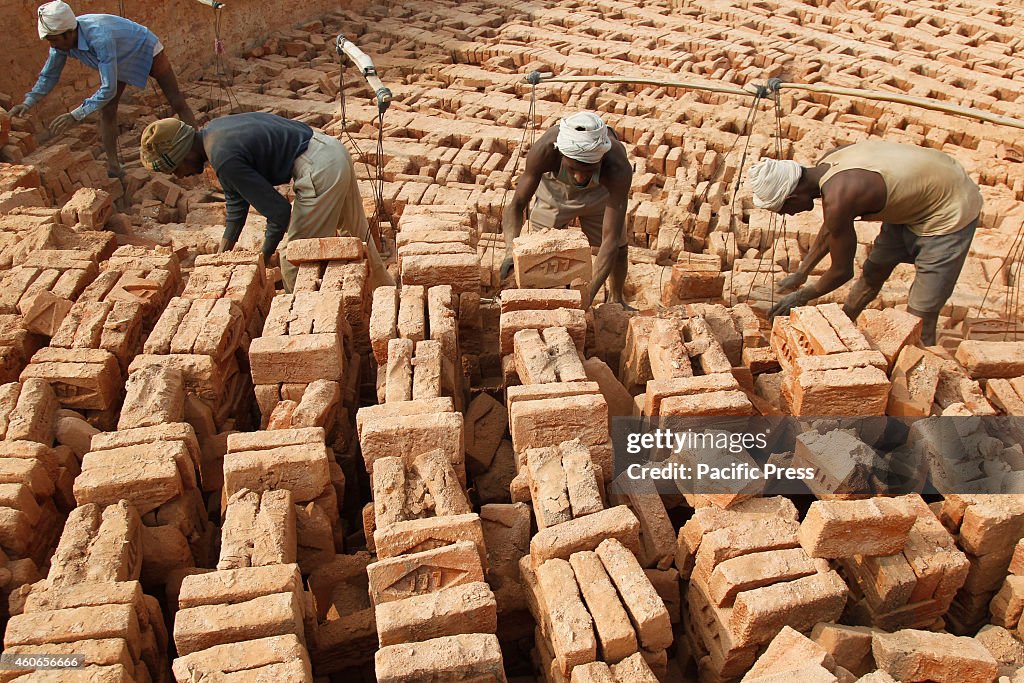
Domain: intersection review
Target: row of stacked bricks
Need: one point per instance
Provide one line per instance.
(137, 516)
(598, 578)
(155, 475)
(427, 594)
(282, 488)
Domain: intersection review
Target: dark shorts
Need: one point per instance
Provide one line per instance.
(937, 259)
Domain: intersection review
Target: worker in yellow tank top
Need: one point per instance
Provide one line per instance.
(928, 206)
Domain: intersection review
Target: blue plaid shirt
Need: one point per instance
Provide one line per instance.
(119, 49)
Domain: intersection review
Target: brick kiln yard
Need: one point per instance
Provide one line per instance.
(205, 479)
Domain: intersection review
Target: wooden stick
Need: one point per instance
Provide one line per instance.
(921, 102)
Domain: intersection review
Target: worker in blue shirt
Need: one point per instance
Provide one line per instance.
(124, 53)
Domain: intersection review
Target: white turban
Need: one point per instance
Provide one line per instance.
(583, 137)
(55, 18)
(772, 181)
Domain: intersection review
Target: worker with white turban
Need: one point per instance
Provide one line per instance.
(577, 170)
(124, 53)
(926, 202)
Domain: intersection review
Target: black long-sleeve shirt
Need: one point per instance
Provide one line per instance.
(251, 153)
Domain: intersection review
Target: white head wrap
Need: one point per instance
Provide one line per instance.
(772, 181)
(583, 137)
(55, 18)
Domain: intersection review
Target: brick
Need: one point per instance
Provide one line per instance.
(633, 669)
(424, 572)
(761, 613)
(539, 299)
(417, 535)
(412, 313)
(747, 572)
(33, 415)
(81, 378)
(667, 352)
(910, 655)
(594, 672)
(460, 609)
(890, 330)
(258, 530)
(147, 477)
(410, 436)
(1008, 604)
(302, 359)
(570, 626)
(442, 483)
(790, 652)
(383, 321)
(326, 249)
(659, 390)
(822, 338)
(430, 378)
(153, 395)
(585, 533)
(840, 528)
(398, 373)
(984, 359)
(44, 312)
(303, 470)
(549, 421)
(644, 605)
(849, 646)
(657, 536)
(72, 625)
(551, 258)
(486, 423)
(861, 391)
(199, 628)
(461, 657)
(750, 535)
(248, 656)
(614, 631)
(461, 271)
(368, 414)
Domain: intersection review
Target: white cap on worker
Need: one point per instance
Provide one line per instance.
(583, 137)
(772, 181)
(55, 18)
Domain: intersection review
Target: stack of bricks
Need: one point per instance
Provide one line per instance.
(88, 208)
(62, 170)
(36, 482)
(538, 309)
(997, 364)
(414, 333)
(902, 566)
(427, 585)
(695, 277)
(147, 277)
(828, 366)
(596, 606)
(64, 273)
(553, 259)
(1007, 607)
(337, 264)
(749, 578)
(438, 252)
(154, 466)
(294, 468)
(200, 339)
(254, 623)
(987, 528)
(91, 602)
(306, 338)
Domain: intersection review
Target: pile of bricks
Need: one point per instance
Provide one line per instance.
(435, 251)
(828, 366)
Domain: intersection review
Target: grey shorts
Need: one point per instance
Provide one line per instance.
(937, 259)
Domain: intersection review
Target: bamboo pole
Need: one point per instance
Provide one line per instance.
(751, 91)
(549, 78)
(910, 100)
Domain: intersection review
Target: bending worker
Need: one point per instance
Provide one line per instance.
(928, 206)
(577, 169)
(124, 53)
(251, 153)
